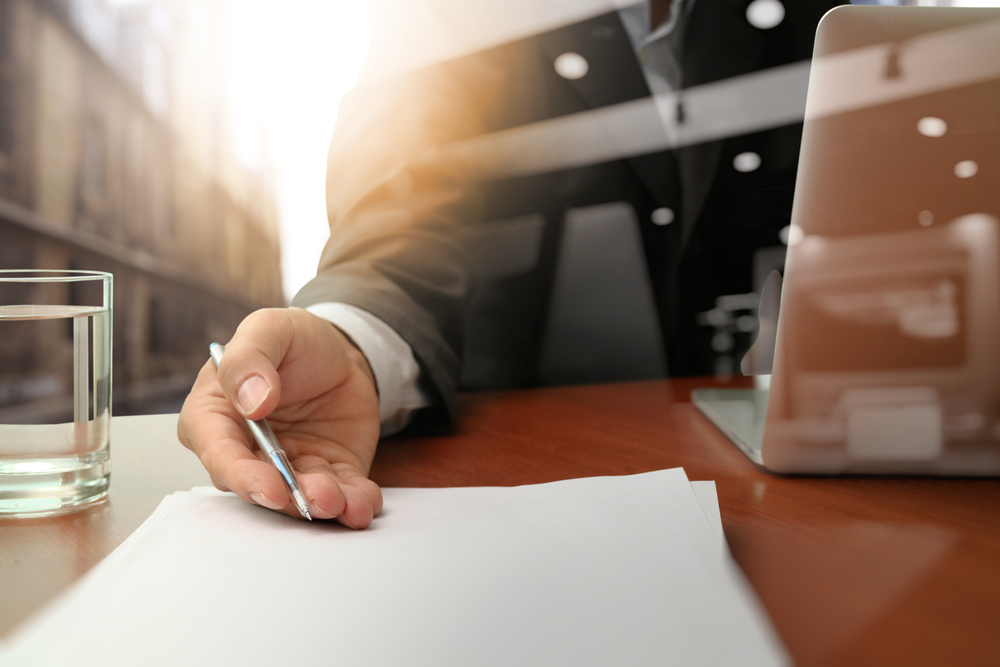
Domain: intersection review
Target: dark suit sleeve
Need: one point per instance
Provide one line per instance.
(394, 204)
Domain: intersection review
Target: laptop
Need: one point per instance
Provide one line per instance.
(886, 358)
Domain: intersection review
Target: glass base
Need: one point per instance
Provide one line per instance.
(52, 485)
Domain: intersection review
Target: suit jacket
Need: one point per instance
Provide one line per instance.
(403, 202)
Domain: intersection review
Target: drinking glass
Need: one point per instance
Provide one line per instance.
(55, 390)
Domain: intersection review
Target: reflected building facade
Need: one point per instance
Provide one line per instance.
(115, 156)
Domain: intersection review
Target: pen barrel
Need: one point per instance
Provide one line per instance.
(215, 351)
(268, 442)
(264, 436)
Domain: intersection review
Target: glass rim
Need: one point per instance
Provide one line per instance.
(51, 275)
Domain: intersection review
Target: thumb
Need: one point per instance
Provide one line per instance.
(247, 370)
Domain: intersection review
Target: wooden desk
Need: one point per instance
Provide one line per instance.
(852, 570)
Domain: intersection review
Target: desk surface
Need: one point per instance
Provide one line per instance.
(852, 570)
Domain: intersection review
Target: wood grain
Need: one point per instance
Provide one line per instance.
(853, 571)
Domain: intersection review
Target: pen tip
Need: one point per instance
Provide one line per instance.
(301, 504)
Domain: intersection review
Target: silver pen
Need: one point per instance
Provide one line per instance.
(269, 444)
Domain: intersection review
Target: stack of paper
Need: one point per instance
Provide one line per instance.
(628, 570)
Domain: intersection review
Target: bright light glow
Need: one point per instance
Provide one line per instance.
(966, 169)
(571, 66)
(765, 14)
(929, 126)
(290, 63)
(746, 162)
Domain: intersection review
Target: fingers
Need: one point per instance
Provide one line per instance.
(338, 491)
(333, 484)
(211, 428)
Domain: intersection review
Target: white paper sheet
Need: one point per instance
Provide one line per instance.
(610, 570)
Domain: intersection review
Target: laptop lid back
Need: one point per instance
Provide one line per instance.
(888, 345)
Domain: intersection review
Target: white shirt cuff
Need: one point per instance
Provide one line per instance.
(397, 373)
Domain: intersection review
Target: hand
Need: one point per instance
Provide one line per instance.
(318, 394)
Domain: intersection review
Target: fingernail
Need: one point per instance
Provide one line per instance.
(262, 500)
(252, 393)
(319, 513)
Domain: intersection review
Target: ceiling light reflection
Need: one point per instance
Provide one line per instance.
(571, 66)
(746, 162)
(966, 169)
(765, 14)
(930, 126)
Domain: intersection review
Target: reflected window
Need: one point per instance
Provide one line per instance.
(93, 158)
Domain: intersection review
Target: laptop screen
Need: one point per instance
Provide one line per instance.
(887, 348)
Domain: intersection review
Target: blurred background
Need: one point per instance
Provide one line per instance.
(180, 145)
